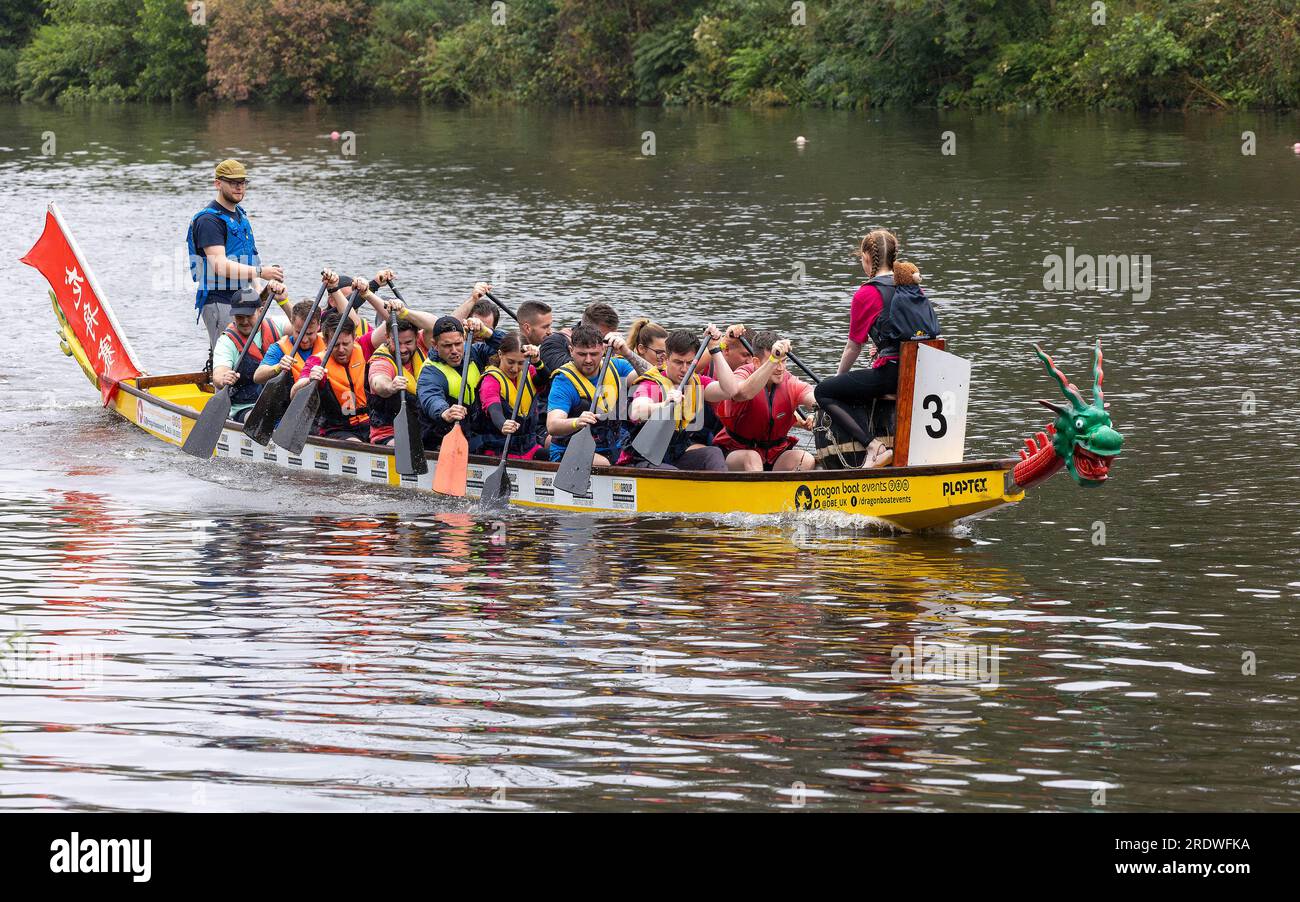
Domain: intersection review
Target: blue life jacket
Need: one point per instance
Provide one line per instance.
(240, 247)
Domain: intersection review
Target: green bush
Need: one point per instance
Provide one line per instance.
(173, 50)
(848, 54)
(86, 48)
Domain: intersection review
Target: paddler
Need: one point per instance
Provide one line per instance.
(340, 300)
(383, 380)
(734, 352)
(238, 335)
(573, 388)
(653, 392)
(759, 418)
(282, 356)
(223, 254)
(438, 389)
(556, 347)
(496, 401)
(343, 410)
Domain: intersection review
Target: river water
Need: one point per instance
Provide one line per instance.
(252, 640)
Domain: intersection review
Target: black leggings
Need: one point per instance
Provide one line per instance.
(853, 389)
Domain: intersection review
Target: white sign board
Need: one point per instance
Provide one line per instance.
(939, 400)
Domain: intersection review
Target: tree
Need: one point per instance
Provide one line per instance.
(85, 51)
(172, 46)
(285, 49)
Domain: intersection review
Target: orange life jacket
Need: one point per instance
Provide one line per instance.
(343, 404)
(296, 362)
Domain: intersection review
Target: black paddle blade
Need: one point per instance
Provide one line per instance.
(202, 440)
(653, 439)
(408, 451)
(574, 475)
(294, 426)
(270, 406)
(496, 487)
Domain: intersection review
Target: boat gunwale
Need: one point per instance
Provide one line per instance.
(139, 387)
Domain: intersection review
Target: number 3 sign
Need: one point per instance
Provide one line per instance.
(939, 400)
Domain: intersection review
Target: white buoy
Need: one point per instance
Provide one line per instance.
(801, 141)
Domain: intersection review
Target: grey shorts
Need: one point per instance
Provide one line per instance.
(216, 317)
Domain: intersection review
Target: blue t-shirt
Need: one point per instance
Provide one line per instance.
(276, 354)
(210, 229)
(564, 396)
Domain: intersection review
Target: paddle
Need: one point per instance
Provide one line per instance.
(574, 474)
(495, 486)
(408, 452)
(508, 312)
(202, 440)
(653, 439)
(274, 399)
(452, 472)
(296, 423)
(793, 359)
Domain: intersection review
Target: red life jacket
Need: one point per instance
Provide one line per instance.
(245, 391)
(765, 420)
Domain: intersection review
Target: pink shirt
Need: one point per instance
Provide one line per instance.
(867, 304)
(489, 391)
(650, 389)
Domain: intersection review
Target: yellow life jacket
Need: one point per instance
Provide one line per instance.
(410, 371)
(587, 389)
(692, 397)
(453, 380)
(508, 390)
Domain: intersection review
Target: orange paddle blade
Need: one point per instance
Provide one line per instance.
(453, 464)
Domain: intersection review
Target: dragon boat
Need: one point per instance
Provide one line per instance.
(909, 495)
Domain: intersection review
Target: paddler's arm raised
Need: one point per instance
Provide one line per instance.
(620, 346)
(465, 309)
(753, 384)
(338, 300)
(724, 384)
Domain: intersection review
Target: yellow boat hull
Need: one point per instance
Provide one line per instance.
(908, 498)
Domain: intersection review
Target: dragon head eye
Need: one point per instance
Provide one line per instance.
(1078, 424)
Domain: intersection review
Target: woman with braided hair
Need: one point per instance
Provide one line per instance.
(889, 308)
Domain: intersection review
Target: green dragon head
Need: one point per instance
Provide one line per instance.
(1084, 438)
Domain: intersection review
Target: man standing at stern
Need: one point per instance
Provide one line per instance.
(223, 254)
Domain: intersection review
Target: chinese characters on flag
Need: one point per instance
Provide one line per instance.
(91, 322)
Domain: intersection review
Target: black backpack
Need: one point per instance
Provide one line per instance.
(907, 314)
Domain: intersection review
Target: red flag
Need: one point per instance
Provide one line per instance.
(90, 320)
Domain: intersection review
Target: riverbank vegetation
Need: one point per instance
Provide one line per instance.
(1135, 54)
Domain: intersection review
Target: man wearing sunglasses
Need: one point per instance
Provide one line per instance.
(223, 254)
